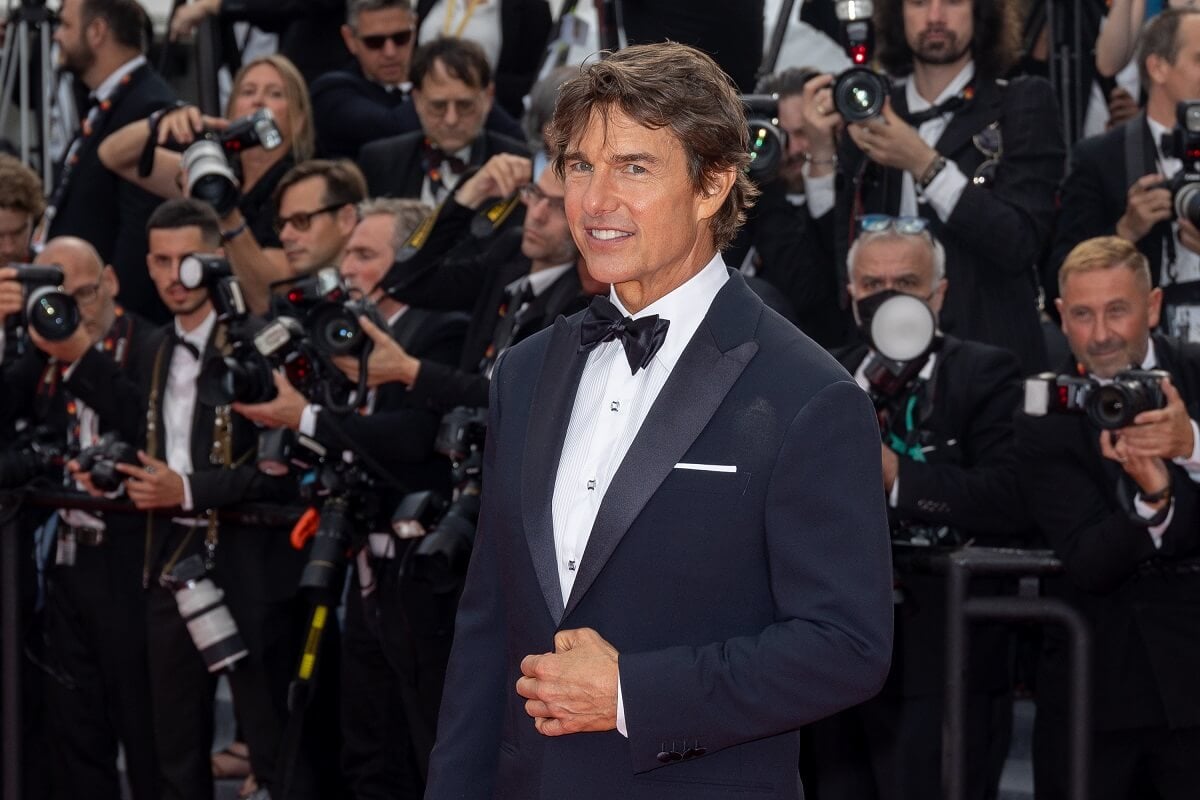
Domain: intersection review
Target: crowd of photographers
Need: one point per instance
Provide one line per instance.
(262, 375)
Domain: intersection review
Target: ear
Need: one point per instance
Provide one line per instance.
(96, 32)
(350, 39)
(1157, 68)
(1154, 307)
(347, 218)
(1058, 304)
(717, 188)
(111, 282)
(939, 296)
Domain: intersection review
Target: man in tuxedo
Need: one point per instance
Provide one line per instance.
(95, 642)
(397, 627)
(370, 99)
(675, 567)
(100, 43)
(946, 421)
(452, 94)
(194, 459)
(21, 205)
(1116, 184)
(976, 155)
(519, 285)
(1119, 507)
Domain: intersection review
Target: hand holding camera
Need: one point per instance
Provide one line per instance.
(283, 411)
(12, 294)
(1148, 472)
(1147, 203)
(388, 362)
(1163, 433)
(501, 176)
(892, 142)
(152, 484)
(184, 125)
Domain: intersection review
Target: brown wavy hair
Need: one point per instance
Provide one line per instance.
(995, 42)
(671, 86)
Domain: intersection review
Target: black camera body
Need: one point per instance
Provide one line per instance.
(37, 452)
(1183, 142)
(859, 93)
(1109, 406)
(210, 178)
(101, 459)
(49, 310)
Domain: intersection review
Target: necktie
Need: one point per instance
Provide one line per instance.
(917, 119)
(641, 338)
(179, 341)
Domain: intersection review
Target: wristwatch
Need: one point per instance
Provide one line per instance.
(932, 171)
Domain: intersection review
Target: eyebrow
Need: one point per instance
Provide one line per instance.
(619, 158)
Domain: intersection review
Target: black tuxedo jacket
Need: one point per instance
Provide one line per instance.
(399, 433)
(968, 482)
(351, 111)
(1143, 603)
(743, 604)
(524, 30)
(475, 284)
(111, 213)
(1094, 192)
(996, 234)
(393, 165)
(309, 31)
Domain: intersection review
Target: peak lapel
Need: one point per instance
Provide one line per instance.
(549, 416)
(704, 374)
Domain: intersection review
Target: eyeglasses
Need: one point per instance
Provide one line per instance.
(462, 108)
(878, 223)
(302, 220)
(988, 142)
(532, 194)
(376, 41)
(86, 295)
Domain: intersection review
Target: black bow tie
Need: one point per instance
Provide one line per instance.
(436, 157)
(919, 118)
(640, 337)
(179, 341)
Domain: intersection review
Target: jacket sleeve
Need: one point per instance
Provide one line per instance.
(444, 386)
(829, 563)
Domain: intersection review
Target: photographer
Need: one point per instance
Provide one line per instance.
(977, 156)
(93, 620)
(1119, 507)
(21, 205)
(517, 287)
(1118, 180)
(191, 463)
(397, 630)
(945, 407)
(248, 229)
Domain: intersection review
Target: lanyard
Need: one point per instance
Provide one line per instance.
(469, 12)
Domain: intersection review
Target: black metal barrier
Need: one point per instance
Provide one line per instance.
(260, 515)
(960, 566)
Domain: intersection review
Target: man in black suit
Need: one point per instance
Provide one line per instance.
(1120, 508)
(518, 286)
(95, 641)
(946, 420)
(1116, 182)
(100, 43)
(21, 206)
(193, 460)
(977, 156)
(452, 94)
(369, 99)
(675, 567)
(397, 627)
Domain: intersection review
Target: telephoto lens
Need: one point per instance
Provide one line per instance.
(209, 623)
(327, 558)
(210, 179)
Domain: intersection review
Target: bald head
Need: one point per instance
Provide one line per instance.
(87, 279)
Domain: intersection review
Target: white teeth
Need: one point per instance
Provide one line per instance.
(607, 234)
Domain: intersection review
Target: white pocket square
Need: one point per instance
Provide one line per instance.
(707, 467)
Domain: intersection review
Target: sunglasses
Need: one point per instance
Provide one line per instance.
(878, 223)
(302, 220)
(376, 41)
(988, 142)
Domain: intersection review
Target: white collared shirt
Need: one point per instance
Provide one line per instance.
(109, 84)
(179, 401)
(610, 407)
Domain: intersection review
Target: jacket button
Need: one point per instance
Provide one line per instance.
(669, 756)
(694, 752)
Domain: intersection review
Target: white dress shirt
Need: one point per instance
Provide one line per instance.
(480, 24)
(179, 401)
(610, 406)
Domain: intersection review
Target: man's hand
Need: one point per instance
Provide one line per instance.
(69, 350)
(1164, 433)
(1121, 107)
(892, 142)
(182, 125)
(821, 122)
(1146, 204)
(388, 362)
(12, 294)
(152, 485)
(891, 467)
(84, 479)
(573, 689)
(1189, 235)
(501, 176)
(282, 412)
(188, 17)
(1148, 472)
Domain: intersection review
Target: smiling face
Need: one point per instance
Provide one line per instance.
(634, 212)
(1107, 314)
